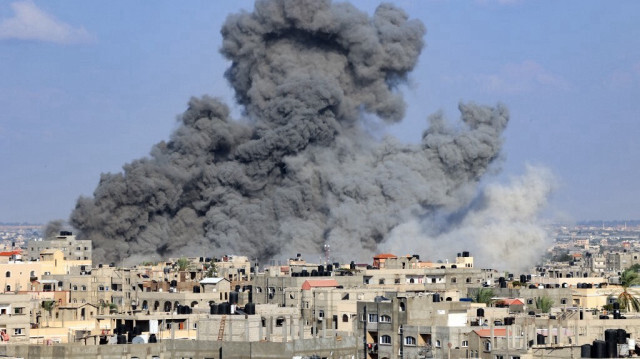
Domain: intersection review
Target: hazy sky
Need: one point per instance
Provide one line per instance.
(88, 86)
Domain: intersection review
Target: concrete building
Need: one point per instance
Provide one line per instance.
(15, 315)
(66, 242)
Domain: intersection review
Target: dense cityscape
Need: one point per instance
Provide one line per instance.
(312, 196)
(56, 297)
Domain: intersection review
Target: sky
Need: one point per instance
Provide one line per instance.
(86, 87)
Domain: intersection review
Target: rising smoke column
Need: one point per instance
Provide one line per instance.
(501, 227)
(302, 172)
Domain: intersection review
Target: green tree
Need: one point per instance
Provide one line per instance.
(484, 295)
(48, 305)
(182, 263)
(544, 304)
(212, 271)
(628, 278)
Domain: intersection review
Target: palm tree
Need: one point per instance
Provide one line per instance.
(628, 278)
(484, 295)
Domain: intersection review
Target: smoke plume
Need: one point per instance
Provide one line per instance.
(502, 227)
(300, 171)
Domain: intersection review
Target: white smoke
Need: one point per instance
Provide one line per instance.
(503, 228)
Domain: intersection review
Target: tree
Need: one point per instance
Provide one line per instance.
(212, 271)
(182, 263)
(48, 305)
(544, 304)
(628, 278)
(484, 295)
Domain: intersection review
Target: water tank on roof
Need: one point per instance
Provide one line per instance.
(122, 339)
(233, 298)
(622, 336)
(480, 312)
(250, 308)
(224, 308)
(329, 267)
(314, 273)
(465, 254)
(599, 349)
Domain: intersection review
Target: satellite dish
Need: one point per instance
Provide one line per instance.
(138, 340)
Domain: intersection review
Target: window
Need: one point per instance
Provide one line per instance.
(8, 274)
(396, 281)
(8, 289)
(453, 280)
(75, 287)
(401, 307)
(468, 280)
(529, 301)
(18, 311)
(385, 339)
(438, 344)
(385, 319)
(409, 341)
(563, 301)
(373, 318)
(381, 281)
(17, 331)
(487, 346)
(84, 287)
(321, 313)
(345, 318)
(465, 343)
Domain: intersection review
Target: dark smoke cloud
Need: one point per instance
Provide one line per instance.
(53, 228)
(302, 172)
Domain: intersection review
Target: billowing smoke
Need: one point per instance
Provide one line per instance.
(53, 228)
(502, 228)
(300, 171)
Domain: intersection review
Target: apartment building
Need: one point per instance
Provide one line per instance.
(72, 248)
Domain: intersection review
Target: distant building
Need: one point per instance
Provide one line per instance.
(71, 248)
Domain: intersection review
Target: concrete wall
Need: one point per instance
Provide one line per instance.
(342, 348)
